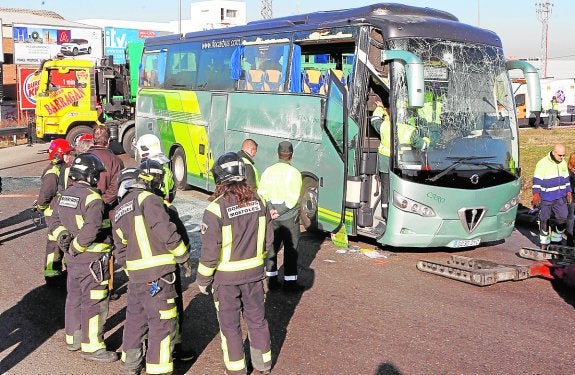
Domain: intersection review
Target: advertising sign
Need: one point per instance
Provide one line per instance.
(34, 43)
(28, 87)
(116, 39)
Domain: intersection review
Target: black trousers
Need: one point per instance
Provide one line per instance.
(286, 233)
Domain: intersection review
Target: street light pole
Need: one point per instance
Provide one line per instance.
(179, 16)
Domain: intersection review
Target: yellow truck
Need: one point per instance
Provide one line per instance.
(75, 95)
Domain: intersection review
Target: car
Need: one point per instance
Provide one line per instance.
(76, 47)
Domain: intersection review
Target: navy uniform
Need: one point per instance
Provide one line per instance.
(280, 186)
(54, 180)
(149, 247)
(79, 217)
(235, 238)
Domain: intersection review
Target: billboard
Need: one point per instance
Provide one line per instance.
(116, 39)
(34, 43)
(27, 87)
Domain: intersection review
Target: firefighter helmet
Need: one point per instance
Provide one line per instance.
(58, 148)
(156, 170)
(147, 146)
(131, 178)
(87, 167)
(228, 168)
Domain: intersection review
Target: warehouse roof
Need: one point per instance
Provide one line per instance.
(10, 16)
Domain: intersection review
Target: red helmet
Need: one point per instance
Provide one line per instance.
(57, 149)
(85, 137)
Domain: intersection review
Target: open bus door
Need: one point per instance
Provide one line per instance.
(341, 136)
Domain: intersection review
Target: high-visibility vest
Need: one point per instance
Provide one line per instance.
(281, 184)
(431, 109)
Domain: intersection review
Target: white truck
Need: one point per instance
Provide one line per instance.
(562, 89)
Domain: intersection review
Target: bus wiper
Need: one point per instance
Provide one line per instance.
(458, 161)
(496, 166)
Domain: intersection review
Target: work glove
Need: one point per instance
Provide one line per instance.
(187, 267)
(204, 289)
(64, 240)
(536, 200)
(569, 197)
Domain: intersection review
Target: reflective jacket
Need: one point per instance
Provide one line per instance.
(235, 241)
(280, 186)
(551, 179)
(381, 119)
(147, 242)
(252, 176)
(51, 184)
(80, 210)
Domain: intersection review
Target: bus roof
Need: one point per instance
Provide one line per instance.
(394, 21)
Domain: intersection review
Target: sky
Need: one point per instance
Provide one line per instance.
(515, 21)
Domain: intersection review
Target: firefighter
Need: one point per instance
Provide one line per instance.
(79, 228)
(280, 186)
(84, 143)
(235, 234)
(148, 147)
(148, 247)
(247, 153)
(54, 180)
(156, 171)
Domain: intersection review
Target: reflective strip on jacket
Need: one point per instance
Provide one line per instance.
(235, 240)
(551, 179)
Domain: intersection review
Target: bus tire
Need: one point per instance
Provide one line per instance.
(308, 204)
(76, 132)
(179, 169)
(128, 141)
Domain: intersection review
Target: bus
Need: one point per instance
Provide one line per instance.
(313, 79)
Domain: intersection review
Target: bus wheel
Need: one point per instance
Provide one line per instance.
(308, 204)
(127, 142)
(77, 132)
(179, 169)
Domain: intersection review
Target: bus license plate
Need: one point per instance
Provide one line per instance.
(464, 243)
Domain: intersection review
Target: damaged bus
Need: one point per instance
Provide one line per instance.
(315, 79)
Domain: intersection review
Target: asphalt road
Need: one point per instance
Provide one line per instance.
(358, 315)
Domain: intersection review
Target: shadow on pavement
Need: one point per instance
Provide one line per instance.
(30, 323)
(281, 306)
(387, 369)
(25, 216)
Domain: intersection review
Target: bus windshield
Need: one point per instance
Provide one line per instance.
(467, 122)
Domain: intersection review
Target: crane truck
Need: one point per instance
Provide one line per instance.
(75, 95)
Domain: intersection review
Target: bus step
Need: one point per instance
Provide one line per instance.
(553, 252)
(475, 271)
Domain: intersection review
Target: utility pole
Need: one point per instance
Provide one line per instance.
(266, 10)
(543, 10)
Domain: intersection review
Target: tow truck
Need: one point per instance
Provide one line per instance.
(75, 95)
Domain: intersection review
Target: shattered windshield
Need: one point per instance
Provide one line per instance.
(468, 119)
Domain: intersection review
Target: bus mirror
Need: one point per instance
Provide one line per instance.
(533, 83)
(413, 72)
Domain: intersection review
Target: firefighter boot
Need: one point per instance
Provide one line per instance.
(273, 283)
(101, 355)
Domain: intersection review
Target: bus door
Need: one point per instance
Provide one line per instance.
(341, 137)
(216, 134)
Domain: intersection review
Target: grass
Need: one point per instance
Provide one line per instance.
(533, 145)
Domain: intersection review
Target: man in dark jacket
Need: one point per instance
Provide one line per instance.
(247, 154)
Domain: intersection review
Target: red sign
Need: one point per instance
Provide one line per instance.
(28, 87)
(143, 34)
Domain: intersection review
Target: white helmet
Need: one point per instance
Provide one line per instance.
(147, 146)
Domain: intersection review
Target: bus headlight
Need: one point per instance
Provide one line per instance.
(409, 205)
(510, 204)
